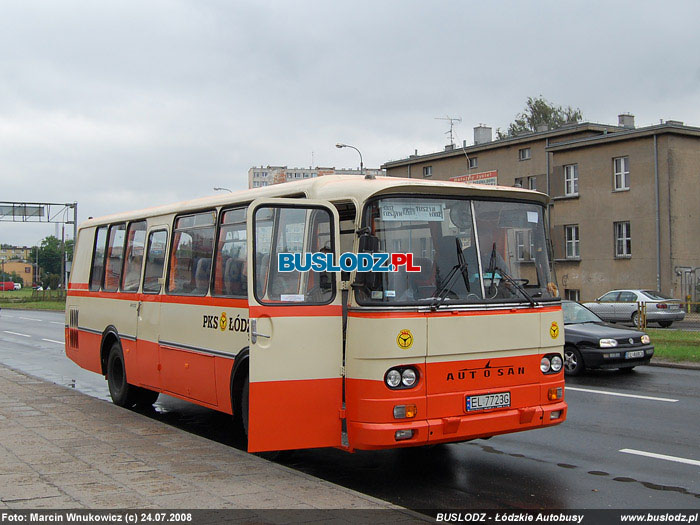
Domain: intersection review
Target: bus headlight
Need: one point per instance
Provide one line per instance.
(408, 377)
(556, 363)
(393, 378)
(607, 343)
(545, 365)
(401, 377)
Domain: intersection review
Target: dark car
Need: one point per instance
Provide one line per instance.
(592, 343)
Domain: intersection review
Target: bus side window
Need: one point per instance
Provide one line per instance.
(191, 254)
(98, 259)
(230, 269)
(115, 257)
(134, 256)
(155, 261)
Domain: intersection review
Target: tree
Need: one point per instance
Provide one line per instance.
(50, 258)
(539, 111)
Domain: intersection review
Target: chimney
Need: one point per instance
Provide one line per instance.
(482, 134)
(449, 147)
(626, 120)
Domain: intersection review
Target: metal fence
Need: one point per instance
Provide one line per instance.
(692, 316)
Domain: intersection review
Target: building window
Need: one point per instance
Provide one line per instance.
(532, 183)
(571, 179)
(427, 171)
(518, 182)
(621, 169)
(524, 245)
(473, 162)
(572, 294)
(623, 239)
(572, 242)
(524, 154)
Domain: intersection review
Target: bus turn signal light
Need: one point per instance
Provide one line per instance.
(555, 393)
(405, 411)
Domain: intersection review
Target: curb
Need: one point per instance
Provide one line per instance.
(668, 364)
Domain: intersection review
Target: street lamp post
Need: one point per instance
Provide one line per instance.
(340, 145)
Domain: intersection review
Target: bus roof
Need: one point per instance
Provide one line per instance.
(333, 188)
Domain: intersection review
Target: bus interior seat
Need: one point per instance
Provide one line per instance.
(201, 276)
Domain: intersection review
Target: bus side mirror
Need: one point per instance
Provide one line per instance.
(368, 244)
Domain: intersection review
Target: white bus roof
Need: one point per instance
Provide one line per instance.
(336, 188)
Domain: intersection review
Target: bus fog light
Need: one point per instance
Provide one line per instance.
(556, 414)
(393, 378)
(545, 365)
(408, 377)
(555, 393)
(556, 363)
(405, 411)
(400, 435)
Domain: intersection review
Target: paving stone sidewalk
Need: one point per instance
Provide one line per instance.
(62, 449)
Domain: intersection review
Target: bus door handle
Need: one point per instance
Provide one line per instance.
(253, 334)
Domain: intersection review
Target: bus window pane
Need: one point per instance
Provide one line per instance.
(135, 241)
(155, 260)
(296, 231)
(115, 256)
(191, 259)
(231, 268)
(98, 259)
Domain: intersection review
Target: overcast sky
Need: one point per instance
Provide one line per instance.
(125, 104)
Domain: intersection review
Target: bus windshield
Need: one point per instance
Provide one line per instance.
(468, 251)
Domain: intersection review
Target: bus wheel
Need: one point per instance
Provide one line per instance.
(121, 392)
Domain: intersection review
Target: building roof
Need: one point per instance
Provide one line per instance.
(507, 142)
(627, 134)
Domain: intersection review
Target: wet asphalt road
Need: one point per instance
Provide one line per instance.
(599, 458)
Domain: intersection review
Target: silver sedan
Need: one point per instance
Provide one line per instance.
(622, 305)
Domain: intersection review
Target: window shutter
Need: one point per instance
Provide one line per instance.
(556, 183)
(559, 242)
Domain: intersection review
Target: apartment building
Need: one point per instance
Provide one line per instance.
(260, 176)
(626, 201)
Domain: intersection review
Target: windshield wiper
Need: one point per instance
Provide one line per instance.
(493, 267)
(517, 285)
(445, 288)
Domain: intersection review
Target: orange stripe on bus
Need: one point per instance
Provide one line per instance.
(171, 299)
(451, 313)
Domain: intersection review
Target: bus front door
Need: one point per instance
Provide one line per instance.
(295, 373)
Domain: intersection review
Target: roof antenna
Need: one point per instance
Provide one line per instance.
(452, 124)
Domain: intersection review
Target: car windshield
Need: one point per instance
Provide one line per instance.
(576, 313)
(468, 251)
(655, 296)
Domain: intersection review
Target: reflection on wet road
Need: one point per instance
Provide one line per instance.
(579, 464)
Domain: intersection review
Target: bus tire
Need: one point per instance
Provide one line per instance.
(122, 393)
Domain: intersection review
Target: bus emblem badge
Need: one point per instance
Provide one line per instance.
(405, 339)
(554, 330)
(222, 321)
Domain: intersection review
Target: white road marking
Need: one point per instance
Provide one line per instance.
(661, 456)
(15, 333)
(53, 341)
(605, 392)
(56, 322)
(30, 318)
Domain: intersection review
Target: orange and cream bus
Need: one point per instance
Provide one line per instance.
(188, 300)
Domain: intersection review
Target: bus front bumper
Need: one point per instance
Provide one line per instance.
(372, 436)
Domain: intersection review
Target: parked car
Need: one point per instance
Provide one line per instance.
(621, 305)
(589, 342)
(18, 286)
